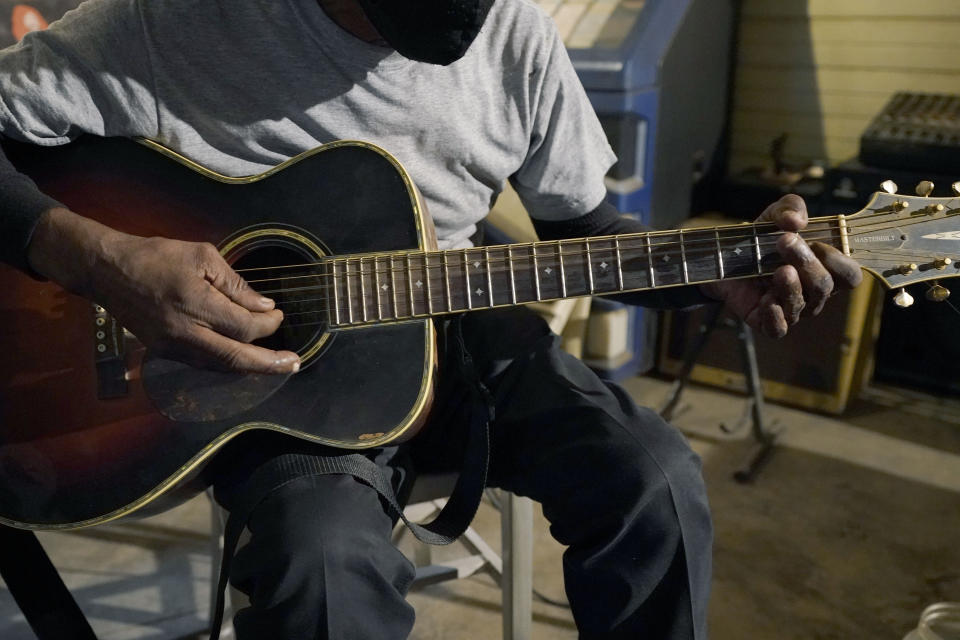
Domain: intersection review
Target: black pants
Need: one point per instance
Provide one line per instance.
(621, 489)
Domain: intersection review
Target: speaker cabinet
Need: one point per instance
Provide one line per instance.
(818, 365)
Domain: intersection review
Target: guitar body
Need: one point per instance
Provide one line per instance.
(90, 432)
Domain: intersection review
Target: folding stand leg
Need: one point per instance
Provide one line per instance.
(763, 432)
(689, 361)
(765, 436)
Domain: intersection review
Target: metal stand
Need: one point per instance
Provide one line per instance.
(765, 434)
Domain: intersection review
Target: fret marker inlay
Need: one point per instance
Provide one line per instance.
(738, 251)
(418, 283)
(603, 266)
(548, 271)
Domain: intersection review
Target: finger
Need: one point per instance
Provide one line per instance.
(845, 271)
(223, 315)
(229, 283)
(768, 317)
(788, 292)
(234, 355)
(816, 280)
(788, 213)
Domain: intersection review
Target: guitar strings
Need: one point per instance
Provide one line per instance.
(689, 246)
(388, 270)
(371, 305)
(759, 225)
(375, 298)
(387, 264)
(812, 227)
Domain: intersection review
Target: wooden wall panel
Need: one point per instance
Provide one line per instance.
(819, 70)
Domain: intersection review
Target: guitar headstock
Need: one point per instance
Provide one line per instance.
(903, 240)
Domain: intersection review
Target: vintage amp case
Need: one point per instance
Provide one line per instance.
(821, 362)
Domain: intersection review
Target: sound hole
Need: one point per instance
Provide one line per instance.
(288, 274)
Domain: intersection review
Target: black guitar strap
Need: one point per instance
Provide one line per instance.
(33, 581)
(448, 525)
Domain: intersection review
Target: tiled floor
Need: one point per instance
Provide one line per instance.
(849, 532)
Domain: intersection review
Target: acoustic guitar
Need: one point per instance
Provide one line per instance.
(92, 428)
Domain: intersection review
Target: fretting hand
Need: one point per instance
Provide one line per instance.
(180, 299)
(811, 273)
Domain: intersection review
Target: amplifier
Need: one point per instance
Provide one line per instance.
(918, 131)
(818, 365)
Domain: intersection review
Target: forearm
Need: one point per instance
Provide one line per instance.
(22, 205)
(69, 249)
(605, 220)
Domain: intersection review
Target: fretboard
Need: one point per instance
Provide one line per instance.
(374, 288)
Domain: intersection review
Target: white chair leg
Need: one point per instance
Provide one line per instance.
(516, 526)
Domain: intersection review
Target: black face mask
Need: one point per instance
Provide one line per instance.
(435, 31)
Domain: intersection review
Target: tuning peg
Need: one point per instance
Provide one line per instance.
(907, 269)
(956, 187)
(941, 263)
(937, 293)
(903, 299)
(889, 186)
(924, 188)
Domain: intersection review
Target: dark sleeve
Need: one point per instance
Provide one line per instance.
(606, 220)
(21, 205)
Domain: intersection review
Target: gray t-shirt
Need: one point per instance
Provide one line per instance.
(241, 85)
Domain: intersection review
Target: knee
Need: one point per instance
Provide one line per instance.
(318, 531)
(661, 476)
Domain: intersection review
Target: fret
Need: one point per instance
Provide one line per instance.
(586, 244)
(346, 274)
(756, 245)
(716, 236)
(376, 286)
(563, 273)
(466, 277)
(522, 276)
(536, 270)
(413, 306)
(336, 296)
(736, 253)
(426, 281)
(513, 279)
(683, 259)
(363, 293)
(446, 278)
(653, 275)
(616, 245)
(486, 254)
(393, 286)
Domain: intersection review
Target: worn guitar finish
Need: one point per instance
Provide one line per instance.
(90, 430)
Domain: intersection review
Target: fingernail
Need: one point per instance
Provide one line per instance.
(296, 366)
(267, 302)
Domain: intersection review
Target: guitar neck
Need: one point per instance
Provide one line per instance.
(395, 286)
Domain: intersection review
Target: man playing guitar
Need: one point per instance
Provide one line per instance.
(467, 94)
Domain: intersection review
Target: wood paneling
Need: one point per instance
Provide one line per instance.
(819, 70)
